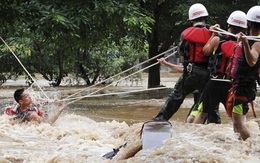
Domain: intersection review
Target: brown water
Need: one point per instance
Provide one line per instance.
(92, 127)
(132, 110)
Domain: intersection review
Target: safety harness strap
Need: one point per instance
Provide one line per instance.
(231, 97)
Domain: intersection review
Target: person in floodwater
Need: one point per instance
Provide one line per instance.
(179, 69)
(27, 111)
(243, 68)
(195, 73)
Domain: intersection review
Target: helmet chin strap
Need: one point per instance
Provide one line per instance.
(199, 24)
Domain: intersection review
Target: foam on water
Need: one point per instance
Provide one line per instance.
(80, 139)
(74, 138)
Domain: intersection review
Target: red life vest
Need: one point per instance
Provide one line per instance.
(11, 112)
(219, 60)
(238, 67)
(227, 48)
(197, 37)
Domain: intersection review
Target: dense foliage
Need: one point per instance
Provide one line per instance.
(90, 39)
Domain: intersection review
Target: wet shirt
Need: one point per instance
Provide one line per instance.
(24, 115)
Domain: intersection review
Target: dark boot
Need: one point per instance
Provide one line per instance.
(170, 107)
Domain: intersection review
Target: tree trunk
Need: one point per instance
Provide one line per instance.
(60, 59)
(154, 71)
(84, 74)
(96, 76)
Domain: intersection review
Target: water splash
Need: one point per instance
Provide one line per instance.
(75, 138)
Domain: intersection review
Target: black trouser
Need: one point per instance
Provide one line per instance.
(196, 98)
(215, 92)
(187, 83)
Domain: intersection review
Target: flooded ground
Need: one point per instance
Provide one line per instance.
(131, 110)
(93, 126)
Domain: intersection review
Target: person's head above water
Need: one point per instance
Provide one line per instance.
(22, 97)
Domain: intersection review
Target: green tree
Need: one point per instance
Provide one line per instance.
(165, 31)
(117, 24)
(57, 38)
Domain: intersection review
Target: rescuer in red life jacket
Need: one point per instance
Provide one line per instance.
(27, 111)
(195, 74)
(220, 49)
(243, 68)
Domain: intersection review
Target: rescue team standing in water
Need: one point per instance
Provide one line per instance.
(28, 111)
(241, 73)
(220, 49)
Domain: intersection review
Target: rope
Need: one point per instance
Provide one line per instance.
(172, 49)
(23, 67)
(221, 31)
(120, 93)
(79, 98)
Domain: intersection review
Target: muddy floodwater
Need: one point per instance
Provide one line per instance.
(130, 110)
(92, 126)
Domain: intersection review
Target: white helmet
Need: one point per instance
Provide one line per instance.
(253, 14)
(237, 18)
(197, 10)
